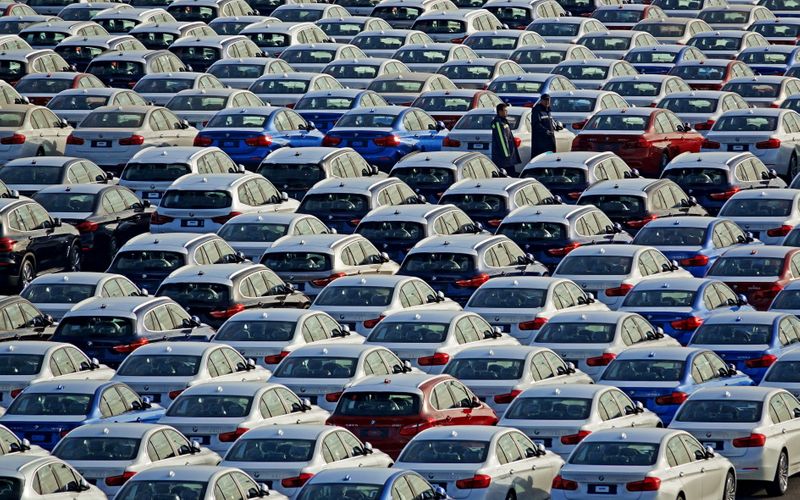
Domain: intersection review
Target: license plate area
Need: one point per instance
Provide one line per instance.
(206, 440)
(230, 144)
(603, 489)
(358, 144)
(477, 145)
(151, 195)
(737, 147)
(101, 144)
(154, 398)
(715, 445)
(192, 223)
(546, 442)
(374, 433)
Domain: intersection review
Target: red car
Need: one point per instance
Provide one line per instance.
(759, 272)
(389, 411)
(16, 9)
(39, 88)
(710, 74)
(449, 106)
(646, 138)
(625, 16)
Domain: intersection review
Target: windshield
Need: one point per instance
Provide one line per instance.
(712, 43)
(627, 123)
(422, 56)
(210, 406)
(155, 172)
(352, 71)
(549, 409)
(378, 404)
(364, 120)
(101, 327)
(396, 13)
(486, 369)
(634, 88)
(163, 85)
(392, 231)
(102, 449)
(273, 450)
(645, 370)
(576, 333)
(616, 205)
(542, 56)
(185, 490)
(755, 207)
(720, 411)
(323, 203)
(508, 298)
(316, 367)
(255, 232)
(482, 121)
(486, 42)
(614, 454)
(20, 364)
(323, 102)
(534, 231)
(113, 119)
(659, 298)
(24, 174)
(369, 296)
(57, 293)
(256, 331)
(676, 236)
(445, 451)
(147, 261)
(280, 86)
(784, 371)
(747, 266)
(156, 40)
(50, 404)
(450, 263)
(292, 175)
(297, 262)
(197, 103)
(161, 365)
(77, 102)
(559, 176)
(754, 89)
(477, 204)
(787, 299)
(306, 56)
(469, 71)
(339, 491)
(409, 333)
(596, 265)
(66, 202)
(515, 87)
(689, 104)
(736, 334)
(131, 69)
(572, 105)
(196, 200)
(196, 294)
(236, 70)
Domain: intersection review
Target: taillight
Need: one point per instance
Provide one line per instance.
(560, 252)
(15, 392)
(75, 141)
(706, 125)
(494, 222)
(574, 438)
(779, 231)
(414, 429)
(7, 244)
(222, 219)
(473, 282)
(325, 281)
(387, 141)
(203, 141)
(227, 313)
(674, 398)
(751, 441)
(174, 394)
(579, 125)
(119, 480)
(275, 358)
(478, 481)
(457, 40)
(372, 323)
(438, 359)
(690, 323)
(619, 291)
(450, 143)
(517, 141)
(354, 222)
(638, 224)
(297, 481)
(559, 483)
(603, 360)
(707, 144)
(534, 324)
(333, 397)
(87, 227)
(156, 219)
(134, 140)
(129, 348)
(229, 437)
(769, 144)
(259, 141)
(646, 484)
(331, 140)
(764, 361)
(725, 194)
(694, 260)
(13, 139)
(574, 195)
(506, 398)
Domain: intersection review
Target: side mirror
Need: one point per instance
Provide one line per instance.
(439, 493)
(440, 296)
(94, 364)
(240, 256)
(590, 298)
(384, 257)
(749, 238)
(497, 332)
(195, 446)
(475, 403)
(540, 450)
(741, 300)
(659, 332)
(284, 196)
(421, 199)
(251, 364)
(263, 490)
(638, 406)
(368, 448)
(796, 413)
(710, 453)
(440, 126)
(311, 126)
(306, 404)
(616, 227)
(57, 222)
(530, 258)
(184, 124)
(63, 123)
(146, 403)
(732, 370)
(674, 265)
(195, 319)
(83, 485)
(570, 367)
(407, 366)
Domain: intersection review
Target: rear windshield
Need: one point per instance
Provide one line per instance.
(618, 16)
(724, 16)
(719, 411)
(256, 232)
(161, 365)
(463, 71)
(422, 56)
(321, 102)
(660, 298)
(425, 176)
(117, 25)
(99, 327)
(352, 71)
(364, 120)
(209, 54)
(485, 42)
(787, 299)
(596, 265)
(236, 70)
(57, 293)
(616, 205)
(196, 200)
(210, 406)
(298, 14)
(486, 369)
(185, 490)
(335, 202)
(163, 85)
(316, 367)
(699, 72)
(100, 449)
(66, 202)
(689, 104)
(780, 4)
(374, 42)
(409, 333)
(543, 56)
(572, 104)
(365, 296)
(155, 172)
(378, 404)
(197, 103)
(549, 409)
(737, 334)
(754, 89)
(156, 40)
(43, 85)
(131, 69)
(784, 371)
(777, 30)
(297, 262)
(556, 29)
(445, 451)
(628, 123)
(44, 38)
(452, 263)
(20, 364)
(280, 86)
(508, 298)
(11, 70)
(716, 43)
(515, 87)
(194, 13)
(482, 121)
(392, 231)
(341, 29)
(147, 261)
(77, 102)
(645, 370)
(268, 40)
(237, 121)
(576, 333)
(50, 404)
(606, 43)
(396, 86)
(441, 26)
(697, 176)
(559, 176)
(663, 30)
(634, 89)
(615, 453)
(292, 175)
(256, 331)
(677, 236)
(755, 207)
(534, 231)
(273, 450)
(762, 58)
(747, 266)
(24, 174)
(196, 294)
(477, 204)
(113, 119)
(396, 13)
(680, 4)
(305, 56)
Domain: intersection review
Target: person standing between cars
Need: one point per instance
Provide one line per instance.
(543, 128)
(504, 150)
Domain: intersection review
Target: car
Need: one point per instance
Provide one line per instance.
(428, 340)
(249, 134)
(323, 108)
(702, 108)
(739, 17)
(98, 451)
(123, 21)
(48, 35)
(14, 446)
(633, 203)
(269, 336)
(778, 31)
(477, 74)
(726, 44)
(560, 417)
(159, 36)
(313, 449)
(525, 89)
(79, 50)
(694, 242)
(574, 107)
(199, 481)
(288, 88)
(11, 8)
(609, 272)
(207, 10)
(24, 472)
(566, 29)
(679, 306)
(117, 68)
(403, 13)
(152, 170)
(613, 44)
(384, 482)
(10, 96)
(428, 57)
(645, 90)
(149, 258)
(621, 17)
(760, 427)
(159, 88)
(648, 460)
(660, 137)
(55, 294)
(27, 130)
(43, 411)
(253, 234)
(591, 74)
(782, 375)
(314, 57)
(321, 372)
(763, 91)
(772, 60)
(29, 240)
(461, 263)
(87, 11)
(73, 105)
(215, 292)
(768, 217)
(541, 57)
(107, 216)
(344, 29)
(403, 88)
(305, 12)
(520, 306)
(16, 63)
(273, 37)
(11, 25)
(674, 29)
(242, 72)
(358, 73)
(502, 43)
(39, 88)
(199, 203)
(455, 25)
(384, 43)
(28, 175)
(786, 300)
(689, 10)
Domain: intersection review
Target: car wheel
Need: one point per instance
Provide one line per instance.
(74, 258)
(511, 495)
(792, 170)
(27, 271)
(729, 491)
(779, 485)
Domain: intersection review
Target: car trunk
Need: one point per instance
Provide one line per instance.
(759, 290)
(42, 430)
(446, 475)
(204, 430)
(613, 482)
(548, 432)
(96, 471)
(312, 388)
(472, 140)
(718, 435)
(156, 388)
(487, 389)
(351, 316)
(577, 352)
(506, 317)
(645, 392)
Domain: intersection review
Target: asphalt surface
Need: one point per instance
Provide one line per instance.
(755, 490)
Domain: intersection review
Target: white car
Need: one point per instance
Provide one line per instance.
(107, 455)
(361, 302)
(269, 335)
(159, 88)
(21, 479)
(497, 375)
(609, 272)
(27, 130)
(645, 90)
(488, 462)
(784, 373)
(216, 414)
(27, 362)
(702, 108)
(163, 370)
(593, 73)
(321, 372)
(613, 44)
(560, 417)
(74, 105)
(567, 29)
(664, 463)
(55, 294)
(289, 455)
(591, 340)
(253, 234)
(12, 445)
(756, 428)
(428, 340)
(574, 107)
(768, 215)
(521, 305)
(788, 299)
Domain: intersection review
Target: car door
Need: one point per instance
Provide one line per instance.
(510, 458)
(682, 473)
(712, 472)
(134, 219)
(792, 428)
(48, 246)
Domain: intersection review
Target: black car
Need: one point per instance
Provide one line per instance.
(106, 216)
(21, 320)
(32, 242)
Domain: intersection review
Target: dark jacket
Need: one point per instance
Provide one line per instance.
(543, 131)
(504, 150)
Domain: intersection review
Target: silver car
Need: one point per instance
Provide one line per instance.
(344, 29)
(384, 43)
(74, 105)
(614, 43)
(593, 73)
(645, 90)
(428, 57)
(25, 469)
(199, 106)
(241, 73)
(541, 58)
(314, 57)
(253, 234)
(726, 44)
(55, 294)
(287, 88)
(502, 43)
(566, 29)
(763, 91)
(27, 130)
(358, 73)
(159, 88)
(702, 108)
(30, 175)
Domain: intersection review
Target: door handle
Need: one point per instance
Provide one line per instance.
(783, 431)
(702, 470)
(448, 418)
(681, 474)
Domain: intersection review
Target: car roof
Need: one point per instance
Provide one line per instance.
(282, 314)
(294, 431)
(74, 277)
(416, 212)
(211, 181)
(590, 316)
(199, 473)
(77, 386)
(723, 160)
(270, 217)
(555, 213)
(175, 348)
(360, 475)
(471, 432)
(44, 161)
(539, 282)
(30, 346)
(433, 157)
(114, 306)
(211, 273)
(499, 352)
(634, 434)
(333, 349)
(235, 388)
(171, 154)
(659, 353)
(674, 284)
(750, 317)
(312, 154)
(782, 194)
(76, 188)
(175, 242)
(565, 390)
(496, 185)
(385, 280)
(618, 250)
(313, 242)
(700, 221)
(364, 185)
(406, 381)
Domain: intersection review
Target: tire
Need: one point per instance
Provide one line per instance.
(74, 258)
(729, 488)
(779, 485)
(27, 271)
(511, 495)
(792, 169)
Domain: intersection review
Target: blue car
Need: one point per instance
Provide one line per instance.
(325, 107)
(695, 242)
(770, 60)
(659, 59)
(662, 378)
(43, 413)
(524, 90)
(752, 341)
(384, 134)
(680, 305)
(250, 134)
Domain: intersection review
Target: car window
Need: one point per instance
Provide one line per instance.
(61, 364)
(778, 411)
(609, 409)
(218, 365)
(335, 447)
(507, 450)
(441, 399)
(111, 403)
(373, 364)
(695, 449)
(226, 489)
(677, 453)
(272, 405)
(540, 367)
